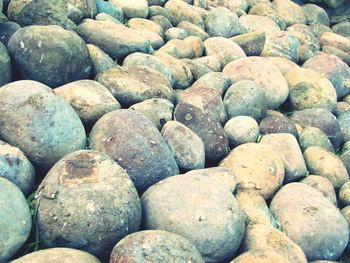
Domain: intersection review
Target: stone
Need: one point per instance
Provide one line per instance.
(214, 80)
(323, 185)
(110, 9)
(335, 40)
(34, 50)
(251, 164)
(175, 33)
(261, 24)
(181, 11)
(196, 44)
(87, 7)
(286, 145)
(15, 167)
(5, 66)
(342, 28)
(38, 122)
(206, 127)
(187, 147)
(264, 9)
(211, 61)
(260, 256)
(285, 65)
(100, 60)
(277, 124)
(136, 8)
(241, 129)
(264, 73)
(193, 30)
(7, 29)
(15, 219)
(147, 158)
(289, 11)
(164, 22)
(312, 136)
(144, 24)
(251, 43)
(315, 14)
(172, 205)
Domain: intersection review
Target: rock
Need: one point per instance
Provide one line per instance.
(87, 7)
(144, 24)
(308, 89)
(289, 11)
(322, 119)
(5, 66)
(264, 9)
(265, 237)
(334, 69)
(107, 17)
(110, 9)
(175, 33)
(339, 14)
(241, 129)
(344, 194)
(259, 256)
(342, 107)
(164, 22)
(315, 14)
(337, 52)
(335, 40)
(322, 162)
(285, 65)
(172, 205)
(312, 136)
(193, 30)
(7, 29)
(251, 43)
(155, 245)
(277, 124)
(40, 12)
(116, 40)
(220, 174)
(100, 60)
(147, 159)
(197, 69)
(310, 211)
(159, 111)
(226, 50)
(57, 255)
(330, 3)
(135, 84)
(221, 22)
(264, 73)
(261, 24)
(344, 121)
(342, 28)
(136, 8)
(181, 11)
(33, 50)
(251, 164)
(206, 127)
(281, 44)
(15, 167)
(323, 185)
(16, 221)
(157, 10)
(89, 99)
(178, 49)
(288, 148)
(245, 98)
(309, 45)
(108, 207)
(187, 147)
(214, 80)
(206, 99)
(212, 62)
(41, 124)
(196, 44)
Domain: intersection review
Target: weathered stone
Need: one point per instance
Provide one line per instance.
(193, 30)
(315, 14)
(262, 24)
(110, 9)
(335, 40)
(100, 60)
(251, 43)
(144, 24)
(263, 9)
(214, 80)
(181, 11)
(164, 22)
(312, 136)
(131, 9)
(277, 124)
(241, 129)
(7, 29)
(323, 185)
(290, 12)
(5, 66)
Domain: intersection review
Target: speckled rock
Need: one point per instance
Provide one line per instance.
(215, 225)
(251, 164)
(100, 60)
(285, 65)
(241, 129)
(289, 11)
(182, 11)
(193, 30)
(315, 14)
(312, 136)
(259, 256)
(277, 124)
(214, 80)
(251, 43)
(145, 24)
(264, 9)
(34, 49)
(110, 9)
(255, 23)
(162, 21)
(264, 73)
(136, 8)
(310, 211)
(344, 194)
(323, 185)
(15, 219)
(155, 246)
(335, 40)
(5, 66)
(7, 29)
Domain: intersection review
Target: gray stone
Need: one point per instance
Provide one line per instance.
(241, 129)
(254, 23)
(323, 185)
(315, 14)
(193, 30)
(312, 136)
(252, 43)
(7, 29)
(290, 12)
(5, 66)
(175, 33)
(131, 9)
(214, 80)
(110, 9)
(100, 60)
(162, 21)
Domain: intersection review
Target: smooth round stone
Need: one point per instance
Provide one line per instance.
(15, 219)
(309, 211)
(264, 73)
(110, 9)
(319, 29)
(193, 30)
(108, 207)
(212, 62)
(252, 43)
(335, 40)
(210, 217)
(323, 185)
(164, 22)
(7, 29)
(312, 136)
(187, 147)
(322, 119)
(89, 99)
(342, 107)
(245, 98)
(315, 14)
(342, 28)
(146, 158)
(344, 194)
(38, 122)
(34, 50)
(252, 164)
(308, 89)
(155, 246)
(241, 129)
(131, 9)
(337, 52)
(257, 256)
(198, 69)
(145, 24)
(57, 255)
(214, 80)
(100, 60)
(179, 49)
(175, 33)
(196, 44)
(277, 124)
(15, 167)
(285, 65)
(5, 66)
(289, 11)
(155, 10)
(264, 9)
(344, 121)
(255, 23)
(330, 166)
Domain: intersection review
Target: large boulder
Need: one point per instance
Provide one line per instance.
(49, 54)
